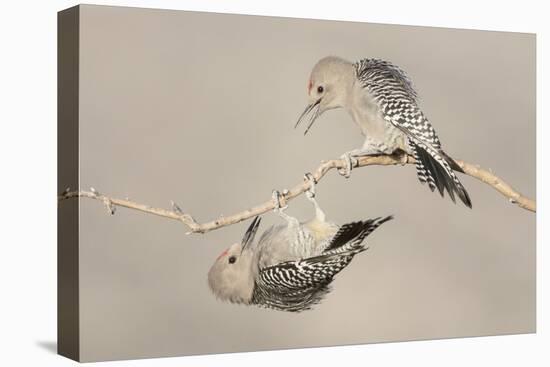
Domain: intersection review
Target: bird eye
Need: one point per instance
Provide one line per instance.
(232, 259)
(320, 89)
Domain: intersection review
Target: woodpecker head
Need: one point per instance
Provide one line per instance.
(327, 88)
(231, 278)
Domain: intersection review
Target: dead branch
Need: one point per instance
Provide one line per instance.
(383, 160)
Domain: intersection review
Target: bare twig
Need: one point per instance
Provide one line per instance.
(383, 160)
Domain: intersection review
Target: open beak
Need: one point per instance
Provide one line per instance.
(313, 110)
(250, 233)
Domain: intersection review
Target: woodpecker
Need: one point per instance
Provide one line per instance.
(381, 100)
(291, 266)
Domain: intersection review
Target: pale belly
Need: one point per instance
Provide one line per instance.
(284, 244)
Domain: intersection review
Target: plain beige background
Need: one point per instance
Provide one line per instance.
(199, 108)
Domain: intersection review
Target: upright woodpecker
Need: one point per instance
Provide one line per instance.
(291, 267)
(382, 101)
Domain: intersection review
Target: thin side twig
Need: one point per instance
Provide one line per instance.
(475, 171)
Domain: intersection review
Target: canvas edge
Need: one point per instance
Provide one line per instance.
(68, 325)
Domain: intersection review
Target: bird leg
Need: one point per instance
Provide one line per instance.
(310, 194)
(351, 158)
(280, 210)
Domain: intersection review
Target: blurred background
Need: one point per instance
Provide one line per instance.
(199, 108)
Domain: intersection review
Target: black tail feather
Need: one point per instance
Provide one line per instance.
(442, 175)
(451, 162)
(354, 233)
(441, 179)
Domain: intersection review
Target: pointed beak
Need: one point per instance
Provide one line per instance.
(314, 111)
(250, 233)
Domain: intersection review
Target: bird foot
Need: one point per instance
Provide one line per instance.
(276, 197)
(279, 209)
(310, 193)
(350, 162)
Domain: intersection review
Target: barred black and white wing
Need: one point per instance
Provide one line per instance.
(397, 99)
(298, 285)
